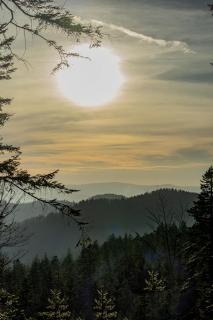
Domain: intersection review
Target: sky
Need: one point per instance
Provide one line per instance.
(159, 128)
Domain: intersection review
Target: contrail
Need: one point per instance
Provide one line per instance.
(176, 45)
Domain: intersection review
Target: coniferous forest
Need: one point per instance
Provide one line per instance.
(165, 274)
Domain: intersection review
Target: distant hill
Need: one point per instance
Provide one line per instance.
(54, 234)
(30, 210)
(96, 191)
(109, 196)
(126, 189)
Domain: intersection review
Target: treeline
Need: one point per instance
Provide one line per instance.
(132, 270)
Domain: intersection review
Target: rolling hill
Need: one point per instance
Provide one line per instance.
(54, 234)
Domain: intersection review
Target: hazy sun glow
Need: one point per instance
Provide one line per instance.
(91, 82)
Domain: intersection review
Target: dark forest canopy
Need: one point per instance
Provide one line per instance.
(123, 266)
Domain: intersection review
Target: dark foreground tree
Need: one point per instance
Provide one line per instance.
(199, 252)
(57, 308)
(154, 300)
(34, 17)
(104, 306)
(9, 307)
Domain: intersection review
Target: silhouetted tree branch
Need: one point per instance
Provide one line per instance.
(36, 17)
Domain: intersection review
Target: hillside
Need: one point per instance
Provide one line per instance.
(126, 189)
(114, 190)
(54, 234)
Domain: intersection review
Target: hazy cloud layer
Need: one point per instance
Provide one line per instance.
(195, 76)
(146, 135)
(177, 4)
(195, 154)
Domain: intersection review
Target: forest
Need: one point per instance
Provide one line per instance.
(164, 274)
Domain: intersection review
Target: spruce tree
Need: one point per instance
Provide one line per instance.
(104, 306)
(9, 307)
(154, 299)
(154, 283)
(199, 252)
(69, 278)
(57, 308)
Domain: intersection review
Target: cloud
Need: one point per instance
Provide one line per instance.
(182, 5)
(194, 153)
(189, 76)
(173, 44)
(182, 155)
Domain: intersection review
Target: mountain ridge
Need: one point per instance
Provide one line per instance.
(55, 234)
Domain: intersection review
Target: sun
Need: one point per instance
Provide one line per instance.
(92, 81)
